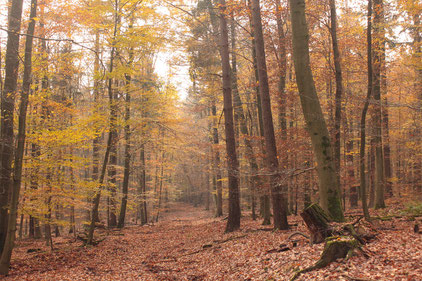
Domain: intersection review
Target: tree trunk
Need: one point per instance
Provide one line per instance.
(378, 53)
(112, 135)
(315, 122)
(112, 222)
(217, 183)
(339, 86)
(96, 201)
(317, 222)
(97, 138)
(126, 173)
(282, 90)
(241, 117)
(278, 195)
(364, 112)
(233, 221)
(265, 208)
(142, 184)
(7, 113)
(15, 184)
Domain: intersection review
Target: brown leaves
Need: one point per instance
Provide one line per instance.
(173, 250)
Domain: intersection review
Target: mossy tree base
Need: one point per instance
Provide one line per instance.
(336, 247)
(317, 222)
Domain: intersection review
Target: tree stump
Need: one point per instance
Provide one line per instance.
(317, 222)
(336, 247)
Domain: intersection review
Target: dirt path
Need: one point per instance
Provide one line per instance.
(188, 244)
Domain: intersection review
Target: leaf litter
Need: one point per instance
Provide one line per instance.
(190, 244)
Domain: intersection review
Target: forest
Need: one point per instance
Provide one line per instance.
(211, 140)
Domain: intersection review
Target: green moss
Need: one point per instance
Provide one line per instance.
(334, 206)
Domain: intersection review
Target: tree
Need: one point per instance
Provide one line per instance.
(339, 85)
(15, 184)
(7, 113)
(278, 198)
(329, 185)
(233, 221)
(364, 113)
(378, 50)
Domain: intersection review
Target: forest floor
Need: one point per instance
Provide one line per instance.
(189, 244)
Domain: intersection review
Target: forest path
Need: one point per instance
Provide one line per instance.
(173, 249)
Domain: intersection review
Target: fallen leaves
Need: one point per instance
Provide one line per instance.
(174, 250)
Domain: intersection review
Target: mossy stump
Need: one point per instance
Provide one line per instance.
(336, 247)
(317, 222)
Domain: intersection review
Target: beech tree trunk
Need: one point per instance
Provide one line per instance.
(363, 185)
(126, 173)
(282, 115)
(217, 183)
(96, 91)
(378, 53)
(112, 221)
(15, 185)
(329, 185)
(265, 204)
(7, 113)
(339, 86)
(112, 136)
(277, 193)
(142, 189)
(241, 118)
(216, 180)
(233, 221)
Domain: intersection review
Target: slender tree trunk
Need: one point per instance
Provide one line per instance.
(363, 185)
(282, 115)
(241, 119)
(126, 173)
(277, 193)
(7, 113)
(378, 53)
(15, 184)
(112, 135)
(265, 208)
(143, 196)
(112, 222)
(315, 122)
(233, 221)
(34, 226)
(97, 139)
(417, 58)
(339, 86)
(160, 191)
(217, 183)
(353, 189)
(96, 201)
(386, 129)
